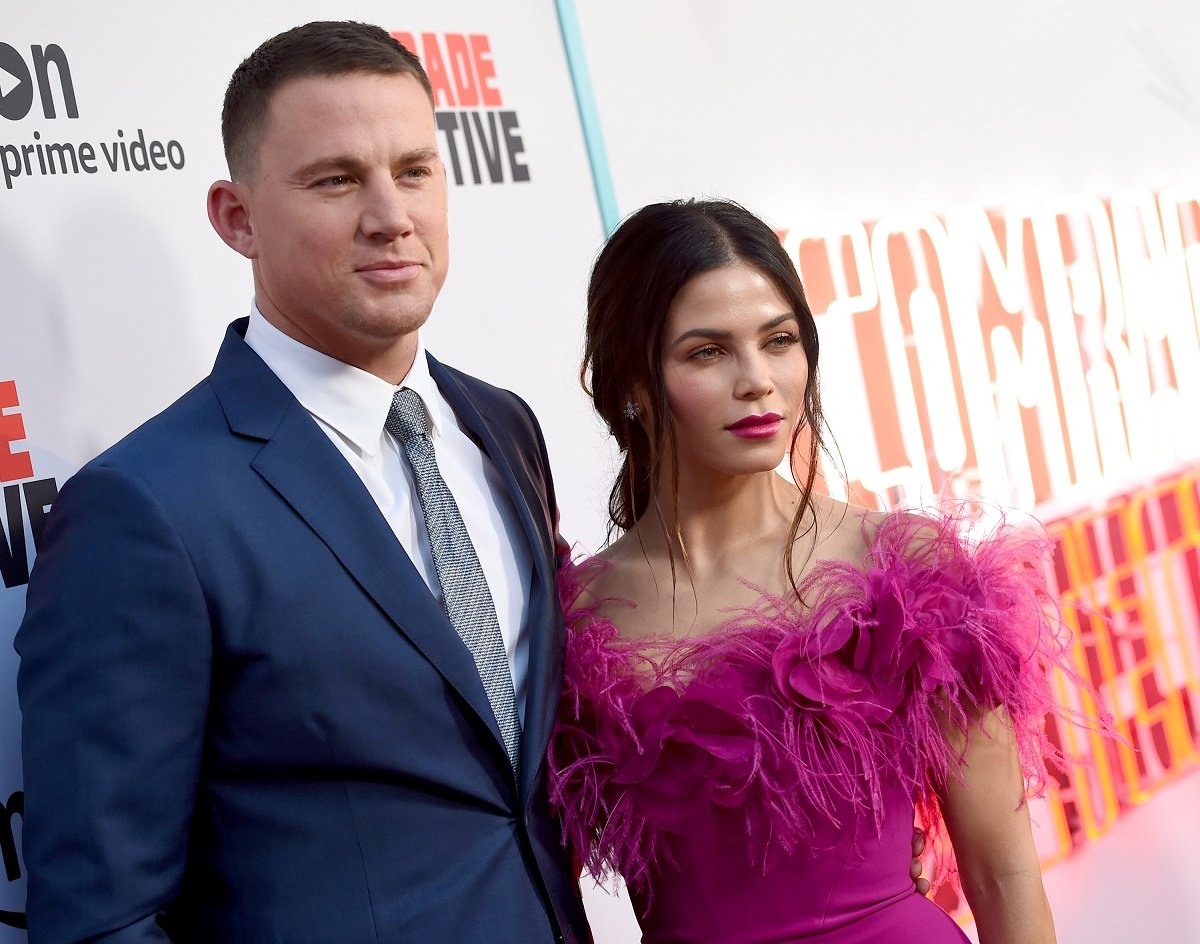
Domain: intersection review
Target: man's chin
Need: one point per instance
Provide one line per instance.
(390, 325)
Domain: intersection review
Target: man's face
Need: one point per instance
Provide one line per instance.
(347, 212)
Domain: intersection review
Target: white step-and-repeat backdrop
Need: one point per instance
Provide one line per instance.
(995, 210)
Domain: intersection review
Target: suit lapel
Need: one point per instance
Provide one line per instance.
(306, 470)
(544, 627)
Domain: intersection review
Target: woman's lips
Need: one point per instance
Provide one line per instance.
(757, 426)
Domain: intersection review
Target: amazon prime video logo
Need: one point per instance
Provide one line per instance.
(18, 80)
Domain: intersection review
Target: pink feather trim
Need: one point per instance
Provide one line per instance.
(789, 711)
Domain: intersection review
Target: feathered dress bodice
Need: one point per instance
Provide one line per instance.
(758, 783)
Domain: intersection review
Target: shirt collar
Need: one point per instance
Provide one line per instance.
(352, 401)
(420, 380)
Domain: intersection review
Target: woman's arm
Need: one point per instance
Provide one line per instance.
(988, 823)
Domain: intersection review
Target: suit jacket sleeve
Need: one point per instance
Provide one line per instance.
(116, 655)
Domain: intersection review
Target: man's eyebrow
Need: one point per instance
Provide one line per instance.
(418, 156)
(722, 334)
(325, 164)
(339, 162)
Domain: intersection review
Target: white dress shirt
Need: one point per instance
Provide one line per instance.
(350, 405)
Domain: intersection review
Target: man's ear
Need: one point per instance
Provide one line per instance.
(229, 213)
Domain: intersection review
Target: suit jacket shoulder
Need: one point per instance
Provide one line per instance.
(507, 418)
(503, 404)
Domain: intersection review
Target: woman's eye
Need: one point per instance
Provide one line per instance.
(783, 340)
(706, 353)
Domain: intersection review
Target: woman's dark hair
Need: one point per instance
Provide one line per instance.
(646, 263)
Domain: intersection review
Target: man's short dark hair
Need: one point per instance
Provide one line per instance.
(322, 48)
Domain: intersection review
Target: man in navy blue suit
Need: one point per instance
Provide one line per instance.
(250, 713)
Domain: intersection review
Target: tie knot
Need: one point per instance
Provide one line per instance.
(407, 419)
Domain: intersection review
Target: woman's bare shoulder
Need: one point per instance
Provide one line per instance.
(858, 530)
(616, 571)
(845, 531)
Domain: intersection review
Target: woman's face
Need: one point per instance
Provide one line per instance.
(735, 372)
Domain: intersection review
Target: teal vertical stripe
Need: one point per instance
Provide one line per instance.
(585, 101)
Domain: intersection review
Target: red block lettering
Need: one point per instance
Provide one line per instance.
(461, 68)
(464, 75)
(435, 67)
(13, 465)
(485, 69)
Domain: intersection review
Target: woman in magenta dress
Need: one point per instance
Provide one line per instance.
(763, 685)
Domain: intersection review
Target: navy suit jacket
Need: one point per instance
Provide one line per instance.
(246, 719)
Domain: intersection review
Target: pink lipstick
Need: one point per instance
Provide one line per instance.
(757, 426)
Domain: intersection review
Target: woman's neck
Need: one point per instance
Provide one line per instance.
(720, 516)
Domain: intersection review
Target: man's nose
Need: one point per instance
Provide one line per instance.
(385, 212)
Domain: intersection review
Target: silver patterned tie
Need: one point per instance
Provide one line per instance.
(469, 602)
